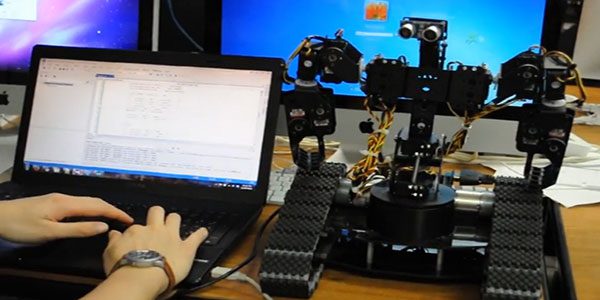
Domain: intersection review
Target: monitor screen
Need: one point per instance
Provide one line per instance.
(148, 122)
(489, 32)
(83, 23)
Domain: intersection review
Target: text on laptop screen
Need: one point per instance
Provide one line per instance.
(489, 32)
(148, 122)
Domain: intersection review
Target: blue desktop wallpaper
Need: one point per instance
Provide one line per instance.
(85, 23)
(479, 32)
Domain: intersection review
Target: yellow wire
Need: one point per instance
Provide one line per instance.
(305, 43)
(576, 74)
(302, 44)
(459, 137)
(367, 166)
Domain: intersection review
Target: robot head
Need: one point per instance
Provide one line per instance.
(428, 30)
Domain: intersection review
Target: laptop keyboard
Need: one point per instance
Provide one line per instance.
(280, 181)
(216, 222)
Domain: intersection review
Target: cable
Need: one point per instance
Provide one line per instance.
(248, 259)
(239, 276)
(460, 137)
(304, 44)
(567, 61)
(361, 173)
(181, 29)
(450, 64)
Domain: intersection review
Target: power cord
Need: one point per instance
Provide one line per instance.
(239, 276)
(181, 29)
(233, 270)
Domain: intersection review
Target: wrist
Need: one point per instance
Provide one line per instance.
(152, 281)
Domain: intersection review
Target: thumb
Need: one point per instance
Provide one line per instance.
(195, 239)
(77, 229)
(113, 234)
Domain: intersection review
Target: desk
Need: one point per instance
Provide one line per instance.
(581, 224)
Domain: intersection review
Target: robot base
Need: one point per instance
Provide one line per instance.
(458, 264)
(410, 221)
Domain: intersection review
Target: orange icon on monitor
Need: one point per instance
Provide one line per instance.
(376, 10)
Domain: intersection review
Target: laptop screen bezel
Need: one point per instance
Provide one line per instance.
(255, 196)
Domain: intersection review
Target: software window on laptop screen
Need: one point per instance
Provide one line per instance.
(138, 121)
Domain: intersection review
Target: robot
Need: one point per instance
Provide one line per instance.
(404, 218)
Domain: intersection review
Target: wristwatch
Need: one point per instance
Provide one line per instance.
(146, 259)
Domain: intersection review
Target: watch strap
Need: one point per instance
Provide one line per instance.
(169, 271)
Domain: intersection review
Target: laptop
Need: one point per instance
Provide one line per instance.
(190, 132)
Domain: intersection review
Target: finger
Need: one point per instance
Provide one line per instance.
(173, 222)
(156, 216)
(195, 239)
(90, 206)
(113, 235)
(134, 229)
(76, 229)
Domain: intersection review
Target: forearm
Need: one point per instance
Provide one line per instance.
(129, 283)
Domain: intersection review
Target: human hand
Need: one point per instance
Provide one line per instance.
(37, 219)
(161, 235)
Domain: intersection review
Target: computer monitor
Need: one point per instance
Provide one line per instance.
(489, 32)
(83, 23)
(587, 47)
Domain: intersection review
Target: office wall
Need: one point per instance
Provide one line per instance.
(587, 46)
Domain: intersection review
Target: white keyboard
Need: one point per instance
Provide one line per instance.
(280, 181)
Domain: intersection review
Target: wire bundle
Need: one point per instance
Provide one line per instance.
(362, 172)
(460, 137)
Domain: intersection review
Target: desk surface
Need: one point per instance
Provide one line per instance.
(581, 225)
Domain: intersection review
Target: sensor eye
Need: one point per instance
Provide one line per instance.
(432, 33)
(407, 30)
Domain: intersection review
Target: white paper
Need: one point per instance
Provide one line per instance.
(577, 184)
(573, 197)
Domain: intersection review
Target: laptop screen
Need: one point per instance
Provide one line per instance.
(147, 122)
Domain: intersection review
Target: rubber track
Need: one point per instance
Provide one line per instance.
(289, 266)
(515, 251)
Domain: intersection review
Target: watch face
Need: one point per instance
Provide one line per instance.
(143, 255)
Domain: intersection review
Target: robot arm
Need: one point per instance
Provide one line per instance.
(546, 123)
(310, 108)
